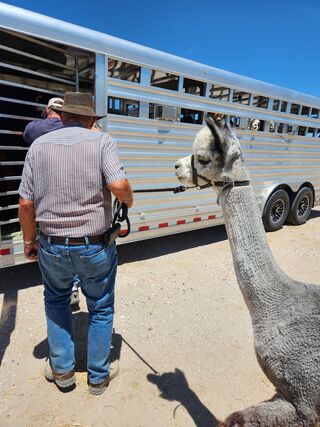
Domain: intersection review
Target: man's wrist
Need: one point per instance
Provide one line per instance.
(30, 242)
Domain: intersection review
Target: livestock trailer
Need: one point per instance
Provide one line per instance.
(155, 104)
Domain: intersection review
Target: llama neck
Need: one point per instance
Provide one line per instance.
(258, 274)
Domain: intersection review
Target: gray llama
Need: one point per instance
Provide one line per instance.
(285, 313)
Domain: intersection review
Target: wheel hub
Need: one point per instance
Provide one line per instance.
(303, 205)
(277, 211)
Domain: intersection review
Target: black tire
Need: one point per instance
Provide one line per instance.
(301, 207)
(276, 210)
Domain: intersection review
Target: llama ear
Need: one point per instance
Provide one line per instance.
(215, 127)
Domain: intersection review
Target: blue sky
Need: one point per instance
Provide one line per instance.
(276, 40)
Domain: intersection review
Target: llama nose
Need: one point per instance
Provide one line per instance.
(177, 165)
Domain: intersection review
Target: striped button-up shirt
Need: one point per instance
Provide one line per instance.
(65, 174)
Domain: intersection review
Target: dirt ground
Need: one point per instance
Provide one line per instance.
(182, 333)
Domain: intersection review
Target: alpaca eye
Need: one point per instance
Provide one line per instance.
(203, 162)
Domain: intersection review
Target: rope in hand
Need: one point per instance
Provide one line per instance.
(120, 209)
(120, 214)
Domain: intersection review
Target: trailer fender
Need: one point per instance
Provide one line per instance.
(267, 193)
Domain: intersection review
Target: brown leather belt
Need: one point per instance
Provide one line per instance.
(73, 241)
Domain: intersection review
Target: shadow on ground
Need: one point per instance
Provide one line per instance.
(153, 248)
(174, 386)
(80, 336)
(12, 279)
(314, 214)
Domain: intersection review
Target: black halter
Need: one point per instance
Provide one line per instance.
(226, 185)
(195, 177)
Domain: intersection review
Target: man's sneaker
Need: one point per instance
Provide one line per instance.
(75, 297)
(65, 380)
(101, 387)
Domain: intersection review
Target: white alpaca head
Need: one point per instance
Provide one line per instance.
(216, 153)
(255, 124)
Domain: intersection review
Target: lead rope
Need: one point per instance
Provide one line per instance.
(120, 214)
(120, 209)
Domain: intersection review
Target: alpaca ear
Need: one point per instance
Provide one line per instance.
(215, 127)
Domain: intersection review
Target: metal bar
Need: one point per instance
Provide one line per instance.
(20, 101)
(11, 116)
(7, 208)
(35, 41)
(77, 74)
(39, 58)
(36, 73)
(9, 193)
(11, 132)
(10, 178)
(10, 147)
(101, 95)
(11, 163)
(36, 89)
(86, 68)
(10, 221)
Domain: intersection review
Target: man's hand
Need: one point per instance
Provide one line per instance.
(31, 251)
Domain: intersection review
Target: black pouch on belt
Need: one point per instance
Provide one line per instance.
(111, 235)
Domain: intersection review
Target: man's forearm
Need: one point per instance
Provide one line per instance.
(27, 220)
(122, 191)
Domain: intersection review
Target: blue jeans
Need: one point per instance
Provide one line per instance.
(96, 266)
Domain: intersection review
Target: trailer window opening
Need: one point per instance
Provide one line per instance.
(261, 126)
(272, 127)
(27, 96)
(191, 116)
(284, 106)
(193, 87)
(276, 104)
(305, 111)
(35, 55)
(256, 125)
(260, 101)
(295, 108)
(311, 132)
(123, 70)
(289, 129)
(241, 97)
(302, 130)
(219, 92)
(21, 108)
(30, 78)
(26, 54)
(292, 129)
(123, 107)
(163, 112)
(164, 80)
(234, 121)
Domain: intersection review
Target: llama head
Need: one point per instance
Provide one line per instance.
(216, 155)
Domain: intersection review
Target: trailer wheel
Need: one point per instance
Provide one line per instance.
(276, 210)
(301, 207)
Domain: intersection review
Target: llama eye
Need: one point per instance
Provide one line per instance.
(203, 162)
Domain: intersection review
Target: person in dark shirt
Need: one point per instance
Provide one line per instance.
(51, 122)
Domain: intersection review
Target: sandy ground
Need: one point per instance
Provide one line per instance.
(182, 333)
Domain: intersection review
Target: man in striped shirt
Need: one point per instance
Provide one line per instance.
(67, 181)
(33, 130)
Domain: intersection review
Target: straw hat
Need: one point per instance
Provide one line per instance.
(80, 104)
